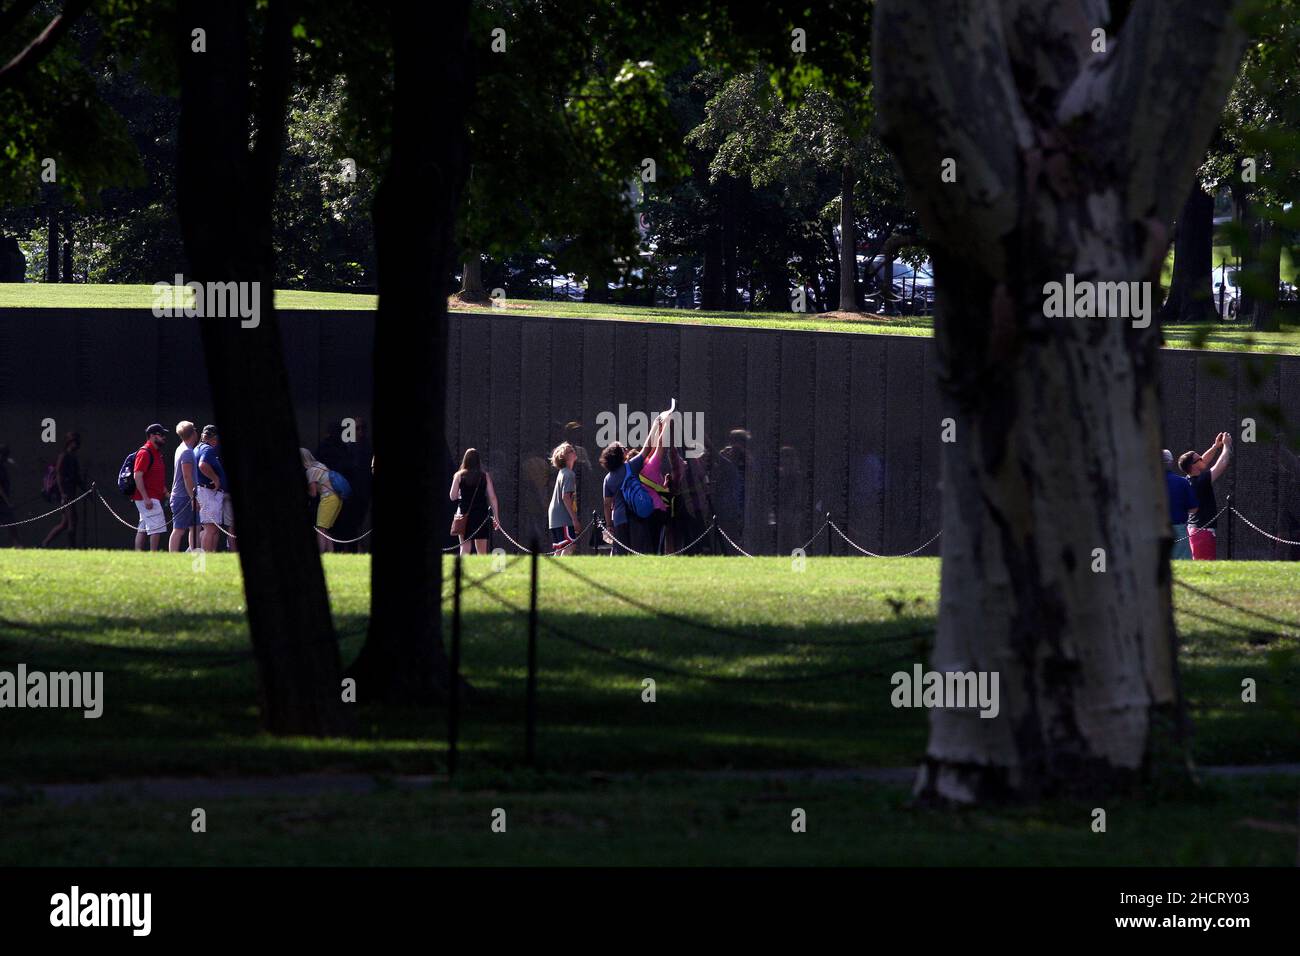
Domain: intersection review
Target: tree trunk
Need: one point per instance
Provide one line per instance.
(1268, 269)
(52, 245)
(403, 659)
(1191, 286)
(1085, 656)
(711, 280)
(67, 251)
(729, 245)
(887, 304)
(471, 285)
(597, 286)
(776, 294)
(1069, 164)
(224, 197)
(1246, 248)
(848, 244)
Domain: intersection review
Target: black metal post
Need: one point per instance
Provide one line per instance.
(530, 738)
(453, 698)
(830, 540)
(1227, 551)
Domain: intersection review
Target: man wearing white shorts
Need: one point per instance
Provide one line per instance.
(150, 484)
(214, 503)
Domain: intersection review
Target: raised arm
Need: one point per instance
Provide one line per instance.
(1221, 465)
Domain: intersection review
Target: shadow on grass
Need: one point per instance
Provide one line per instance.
(180, 698)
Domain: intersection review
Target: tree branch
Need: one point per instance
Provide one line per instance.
(1153, 101)
(39, 48)
(952, 96)
(1048, 43)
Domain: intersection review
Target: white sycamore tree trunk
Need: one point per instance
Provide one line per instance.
(1068, 160)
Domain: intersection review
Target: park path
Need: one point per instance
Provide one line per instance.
(186, 789)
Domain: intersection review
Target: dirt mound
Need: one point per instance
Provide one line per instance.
(458, 301)
(838, 316)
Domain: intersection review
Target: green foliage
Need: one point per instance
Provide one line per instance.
(562, 121)
(323, 234)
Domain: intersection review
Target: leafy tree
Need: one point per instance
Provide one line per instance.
(562, 119)
(1258, 157)
(324, 235)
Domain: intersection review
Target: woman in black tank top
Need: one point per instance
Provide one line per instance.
(472, 490)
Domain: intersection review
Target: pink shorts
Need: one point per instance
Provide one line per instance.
(1204, 543)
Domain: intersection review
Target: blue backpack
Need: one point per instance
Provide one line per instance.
(126, 474)
(340, 485)
(635, 494)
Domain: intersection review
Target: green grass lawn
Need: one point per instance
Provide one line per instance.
(661, 820)
(180, 701)
(180, 693)
(1227, 337)
(1289, 267)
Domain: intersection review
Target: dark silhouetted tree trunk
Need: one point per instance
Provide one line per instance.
(711, 278)
(1069, 162)
(471, 283)
(848, 244)
(598, 286)
(1268, 268)
(887, 304)
(729, 245)
(1245, 246)
(403, 659)
(1191, 286)
(67, 250)
(52, 244)
(224, 194)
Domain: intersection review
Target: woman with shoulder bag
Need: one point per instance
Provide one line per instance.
(473, 492)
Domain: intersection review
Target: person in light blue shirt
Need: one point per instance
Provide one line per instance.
(612, 459)
(1182, 505)
(184, 496)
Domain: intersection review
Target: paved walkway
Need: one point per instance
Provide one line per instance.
(188, 789)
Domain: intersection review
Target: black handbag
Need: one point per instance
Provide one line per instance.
(460, 522)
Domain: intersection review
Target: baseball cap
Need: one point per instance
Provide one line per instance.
(156, 429)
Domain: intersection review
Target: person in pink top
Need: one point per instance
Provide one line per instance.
(659, 468)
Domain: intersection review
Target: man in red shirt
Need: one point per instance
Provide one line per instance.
(150, 486)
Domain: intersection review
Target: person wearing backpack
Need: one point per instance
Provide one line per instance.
(150, 478)
(321, 485)
(66, 482)
(613, 460)
(648, 489)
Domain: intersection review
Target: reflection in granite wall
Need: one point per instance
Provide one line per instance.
(796, 425)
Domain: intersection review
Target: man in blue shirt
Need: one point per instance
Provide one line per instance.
(1182, 504)
(214, 503)
(612, 460)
